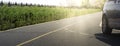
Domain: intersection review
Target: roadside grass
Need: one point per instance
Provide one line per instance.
(17, 16)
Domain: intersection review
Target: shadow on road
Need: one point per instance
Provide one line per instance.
(113, 39)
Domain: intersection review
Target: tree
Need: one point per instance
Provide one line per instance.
(9, 4)
(16, 3)
(30, 4)
(99, 3)
(26, 4)
(1, 3)
(21, 4)
(86, 3)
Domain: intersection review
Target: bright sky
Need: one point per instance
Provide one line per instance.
(49, 2)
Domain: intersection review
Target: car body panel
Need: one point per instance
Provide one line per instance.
(112, 11)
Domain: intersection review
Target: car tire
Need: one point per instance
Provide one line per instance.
(105, 27)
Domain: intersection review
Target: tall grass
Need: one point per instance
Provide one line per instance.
(16, 16)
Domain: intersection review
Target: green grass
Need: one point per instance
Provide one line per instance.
(17, 16)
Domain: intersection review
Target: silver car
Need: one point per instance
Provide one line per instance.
(111, 16)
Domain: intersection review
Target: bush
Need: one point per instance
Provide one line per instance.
(17, 16)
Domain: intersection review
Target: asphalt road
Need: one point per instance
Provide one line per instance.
(76, 31)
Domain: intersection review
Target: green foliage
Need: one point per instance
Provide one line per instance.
(17, 16)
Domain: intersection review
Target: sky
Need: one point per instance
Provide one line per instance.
(48, 2)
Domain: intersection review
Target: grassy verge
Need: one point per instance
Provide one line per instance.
(17, 16)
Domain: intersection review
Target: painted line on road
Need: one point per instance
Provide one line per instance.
(40, 36)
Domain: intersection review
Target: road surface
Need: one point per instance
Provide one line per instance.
(76, 31)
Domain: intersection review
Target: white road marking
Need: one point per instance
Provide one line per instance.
(68, 30)
(40, 36)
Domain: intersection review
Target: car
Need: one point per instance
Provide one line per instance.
(111, 16)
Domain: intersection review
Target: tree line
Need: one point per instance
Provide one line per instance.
(23, 4)
(85, 4)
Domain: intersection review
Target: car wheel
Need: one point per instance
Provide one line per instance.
(105, 27)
